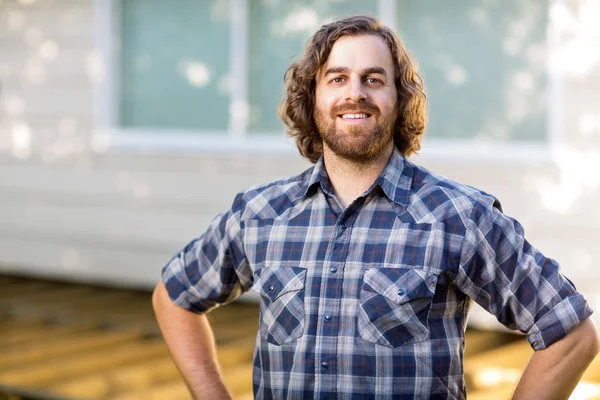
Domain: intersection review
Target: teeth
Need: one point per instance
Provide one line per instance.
(354, 116)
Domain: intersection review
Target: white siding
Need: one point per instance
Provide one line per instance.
(70, 212)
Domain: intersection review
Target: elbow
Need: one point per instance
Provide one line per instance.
(158, 297)
(590, 340)
(595, 338)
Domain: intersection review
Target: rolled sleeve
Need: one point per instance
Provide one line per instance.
(212, 269)
(510, 278)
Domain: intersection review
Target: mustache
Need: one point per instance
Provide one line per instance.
(364, 106)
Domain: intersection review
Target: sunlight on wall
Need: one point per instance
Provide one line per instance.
(305, 20)
(21, 139)
(589, 124)
(581, 51)
(578, 173)
(15, 20)
(575, 59)
(94, 67)
(196, 73)
(70, 259)
(14, 105)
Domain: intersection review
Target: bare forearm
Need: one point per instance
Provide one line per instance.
(553, 373)
(191, 343)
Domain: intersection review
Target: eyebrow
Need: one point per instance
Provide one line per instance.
(366, 71)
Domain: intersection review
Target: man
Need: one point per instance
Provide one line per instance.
(367, 263)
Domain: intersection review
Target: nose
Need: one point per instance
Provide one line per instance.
(355, 91)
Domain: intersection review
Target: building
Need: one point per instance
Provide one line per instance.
(125, 126)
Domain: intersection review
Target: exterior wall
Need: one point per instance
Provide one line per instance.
(69, 209)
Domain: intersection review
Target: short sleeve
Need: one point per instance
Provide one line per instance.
(510, 278)
(212, 269)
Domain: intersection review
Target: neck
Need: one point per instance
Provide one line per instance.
(350, 179)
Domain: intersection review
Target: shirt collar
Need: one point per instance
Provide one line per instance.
(395, 179)
(318, 175)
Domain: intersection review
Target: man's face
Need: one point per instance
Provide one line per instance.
(356, 98)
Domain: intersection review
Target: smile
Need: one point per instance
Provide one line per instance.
(355, 116)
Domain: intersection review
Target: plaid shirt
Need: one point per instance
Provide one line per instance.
(372, 301)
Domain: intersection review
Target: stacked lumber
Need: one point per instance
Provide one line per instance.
(66, 341)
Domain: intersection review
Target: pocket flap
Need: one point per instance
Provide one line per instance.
(276, 281)
(400, 284)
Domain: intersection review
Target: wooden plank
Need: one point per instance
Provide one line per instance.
(65, 301)
(135, 377)
(8, 281)
(22, 336)
(26, 289)
(228, 331)
(496, 393)
(175, 390)
(239, 382)
(479, 341)
(239, 379)
(49, 297)
(103, 310)
(138, 377)
(513, 355)
(61, 346)
(503, 388)
(43, 373)
(244, 396)
(592, 374)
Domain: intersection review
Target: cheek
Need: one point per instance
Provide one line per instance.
(389, 103)
(325, 100)
(323, 106)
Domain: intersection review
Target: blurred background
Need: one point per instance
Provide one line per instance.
(127, 125)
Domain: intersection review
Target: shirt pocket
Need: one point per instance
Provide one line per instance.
(282, 303)
(394, 305)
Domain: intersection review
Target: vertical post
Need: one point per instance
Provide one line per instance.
(387, 13)
(238, 62)
(556, 93)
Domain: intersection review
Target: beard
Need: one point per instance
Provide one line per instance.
(359, 144)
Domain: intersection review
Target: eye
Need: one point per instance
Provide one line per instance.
(337, 79)
(373, 81)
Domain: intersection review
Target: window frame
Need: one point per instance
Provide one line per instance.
(108, 136)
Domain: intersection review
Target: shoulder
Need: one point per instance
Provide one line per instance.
(436, 198)
(269, 200)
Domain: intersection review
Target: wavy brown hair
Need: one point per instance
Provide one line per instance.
(297, 108)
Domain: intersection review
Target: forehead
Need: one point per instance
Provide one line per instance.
(358, 53)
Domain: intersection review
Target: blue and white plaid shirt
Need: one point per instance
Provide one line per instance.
(372, 301)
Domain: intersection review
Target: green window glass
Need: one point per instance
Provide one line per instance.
(278, 32)
(175, 64)
(483, 64)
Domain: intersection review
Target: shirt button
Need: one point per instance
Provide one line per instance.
(271, 288)
(333, 270)
(327, 318)
(342, 226)
(324, 365)
(400, 292)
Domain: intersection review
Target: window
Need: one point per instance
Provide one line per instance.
(484, 66)
(186, 65)
(174, 62)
